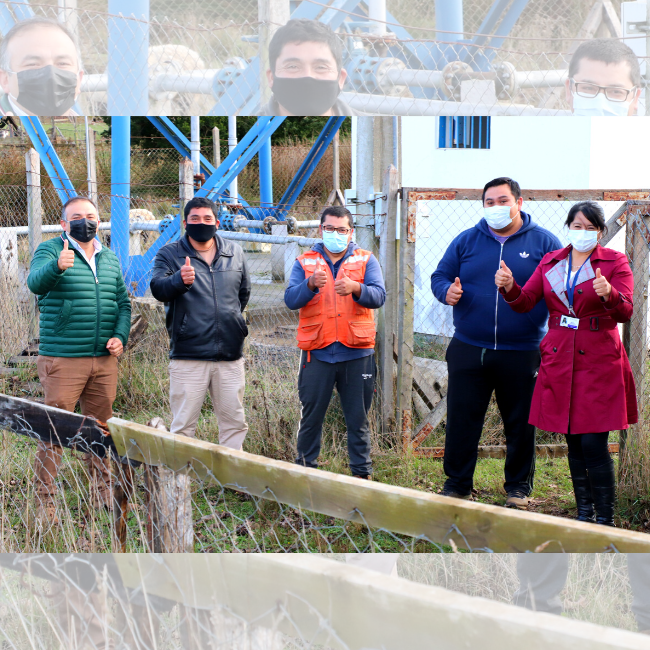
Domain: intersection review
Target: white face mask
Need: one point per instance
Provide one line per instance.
(583, 240)
(498, 216)
(599, 106)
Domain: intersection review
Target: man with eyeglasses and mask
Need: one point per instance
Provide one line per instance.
(336, 285)
(604, 79)
(85, 318)
(306, 72)
(204, 282)
(40, 69)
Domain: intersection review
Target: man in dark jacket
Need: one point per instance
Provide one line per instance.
(203, 281)
(336, 285)
(85, 318)
(306, 72)
(493, 348)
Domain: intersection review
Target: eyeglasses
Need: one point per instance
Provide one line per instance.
(613, 93)
(340, 231)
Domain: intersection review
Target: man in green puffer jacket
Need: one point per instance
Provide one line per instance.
(85, 318)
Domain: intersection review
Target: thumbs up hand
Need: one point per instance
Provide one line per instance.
(344, 286)
(454, 292)
(503, 278)
(66, 257)
(319, 278)
(187, 272)
(602, 288)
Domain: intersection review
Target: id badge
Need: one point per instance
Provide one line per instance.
(571, 323)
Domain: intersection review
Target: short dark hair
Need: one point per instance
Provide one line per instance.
(302, 30)
(337, 211)
(592, 211)
(503, 180)
(607, 50)
(201, 202)
(31, 23)
(76, 199)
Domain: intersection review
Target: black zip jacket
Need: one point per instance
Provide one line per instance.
(204, 320)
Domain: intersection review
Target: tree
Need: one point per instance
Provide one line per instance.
(145, 135)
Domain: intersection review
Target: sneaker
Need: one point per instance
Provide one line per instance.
(367, 477)
(517, 499)
(447, 492)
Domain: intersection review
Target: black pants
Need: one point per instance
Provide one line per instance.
(474, 374)
(543, 576)
(355, 383)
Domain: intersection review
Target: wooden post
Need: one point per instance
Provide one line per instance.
(634, 463)
(169, 521)
(169, 507)
(92, 159)
(216, 148)
(387, 321)
(271, 15)
(405, 310)
(35, 224)
(186, 180)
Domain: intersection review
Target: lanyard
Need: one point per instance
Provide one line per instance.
(570, 288)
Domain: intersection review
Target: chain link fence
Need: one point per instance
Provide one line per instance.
(438, 220)
(164, 602)
(203, 57)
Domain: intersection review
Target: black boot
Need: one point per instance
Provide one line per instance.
(603, 492)
(582, 490)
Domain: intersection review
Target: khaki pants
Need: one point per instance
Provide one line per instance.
(188, 383)
(91, 381)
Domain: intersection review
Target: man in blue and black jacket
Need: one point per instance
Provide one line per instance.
(493, 348)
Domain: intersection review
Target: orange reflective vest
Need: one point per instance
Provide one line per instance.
(328, 317)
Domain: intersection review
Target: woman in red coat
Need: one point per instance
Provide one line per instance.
(585, 387)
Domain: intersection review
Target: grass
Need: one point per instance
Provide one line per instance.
(226, 520)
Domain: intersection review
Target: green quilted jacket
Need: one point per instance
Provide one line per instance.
(78, 314)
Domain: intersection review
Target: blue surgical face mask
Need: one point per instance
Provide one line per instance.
(599, 106)
(498, 216)
(583, 240)
(334, 242)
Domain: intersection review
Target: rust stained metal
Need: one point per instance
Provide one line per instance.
(421, 436)
(626, 196)
(407, 425)
(413, 198)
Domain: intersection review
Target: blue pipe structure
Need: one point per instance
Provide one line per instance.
(128, 52)
(120, 188)
(309, 164)
(53, 166)
(20, 10)
(266, 175)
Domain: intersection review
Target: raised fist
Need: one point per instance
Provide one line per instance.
(187, 272)
(454, 292)
(66, 257)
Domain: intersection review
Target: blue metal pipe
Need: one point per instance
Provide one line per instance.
(22, 10)
(449, 18)
(215, 184)
(312, 159)
(266, 175)
(128, 51)
(120, 187)
(53, 166)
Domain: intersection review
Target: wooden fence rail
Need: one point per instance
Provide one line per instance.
(341, 606)
(377, 505)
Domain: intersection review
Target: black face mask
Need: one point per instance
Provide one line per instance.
(83, 230)
(201, 231)
(47, 91)
(306, 95)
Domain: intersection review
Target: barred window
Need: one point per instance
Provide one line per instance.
(464, 133)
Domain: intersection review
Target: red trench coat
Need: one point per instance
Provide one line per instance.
(585, 378)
